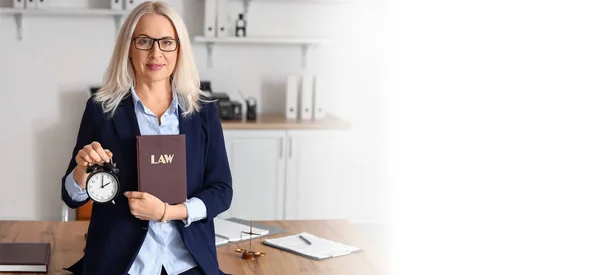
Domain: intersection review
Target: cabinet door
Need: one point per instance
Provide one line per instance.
(318, 175)
(257, 166)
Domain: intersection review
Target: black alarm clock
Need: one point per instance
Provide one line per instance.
(102, 184)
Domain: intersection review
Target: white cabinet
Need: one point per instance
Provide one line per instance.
(257, 167)
(288, 174)
(318, 175)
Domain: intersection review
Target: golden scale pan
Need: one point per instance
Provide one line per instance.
(249, 254)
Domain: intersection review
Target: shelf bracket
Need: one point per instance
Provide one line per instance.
(19, 23)
(209, 50)
(304, 56)
(246, 7)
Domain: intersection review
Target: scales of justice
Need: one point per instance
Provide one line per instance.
(249, 254)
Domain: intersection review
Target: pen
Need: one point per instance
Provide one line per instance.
(305, 240)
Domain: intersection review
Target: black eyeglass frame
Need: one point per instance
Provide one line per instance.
(154, 41)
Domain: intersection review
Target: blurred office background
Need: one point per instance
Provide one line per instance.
(55, 53)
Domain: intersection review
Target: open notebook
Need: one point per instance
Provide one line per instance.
(231, 231)
(220, 241)
(311, 246)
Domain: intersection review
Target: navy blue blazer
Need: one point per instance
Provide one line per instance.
(114, 234)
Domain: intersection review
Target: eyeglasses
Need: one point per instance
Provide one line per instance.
(164, 44)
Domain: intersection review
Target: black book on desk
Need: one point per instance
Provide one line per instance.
(24, 257)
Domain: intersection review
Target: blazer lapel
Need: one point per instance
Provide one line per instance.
(125, 121)
(194, 138)
(126, 127)
(186, 126)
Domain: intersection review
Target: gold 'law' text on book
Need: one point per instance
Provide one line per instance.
(162, 159)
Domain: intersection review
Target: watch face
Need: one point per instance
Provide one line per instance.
(102, 187)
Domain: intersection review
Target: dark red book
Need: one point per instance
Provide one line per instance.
(161, 167)
(24, 257)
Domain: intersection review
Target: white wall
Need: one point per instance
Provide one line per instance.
(45, 80)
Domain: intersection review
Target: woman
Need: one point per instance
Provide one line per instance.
(151, 87)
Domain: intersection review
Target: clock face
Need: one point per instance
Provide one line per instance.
(102, 187)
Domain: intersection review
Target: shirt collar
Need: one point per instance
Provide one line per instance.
(172, 109)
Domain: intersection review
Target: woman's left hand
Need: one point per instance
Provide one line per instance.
(145, 206)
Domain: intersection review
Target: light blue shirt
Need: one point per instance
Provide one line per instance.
(163, 245)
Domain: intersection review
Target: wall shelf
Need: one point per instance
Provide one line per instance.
(306, 1)
(260, 40)
(303, 42)
(20, 13)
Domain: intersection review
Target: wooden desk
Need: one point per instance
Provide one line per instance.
(67, 239)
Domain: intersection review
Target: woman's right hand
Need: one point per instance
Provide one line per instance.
(89, 154)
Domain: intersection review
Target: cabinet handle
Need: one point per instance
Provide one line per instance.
(281, 148)
(290, 147)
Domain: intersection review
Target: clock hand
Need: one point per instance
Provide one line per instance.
(102, 185)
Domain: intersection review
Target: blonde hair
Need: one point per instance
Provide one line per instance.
(120, 73)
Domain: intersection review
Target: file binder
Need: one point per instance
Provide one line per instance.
(43, 4)
(210, 18)
(222, 18)
(306, 98)
(130, 4)
(116, 4)
(291, 98)
(31, 4)
(19, 4)
(318, 108)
